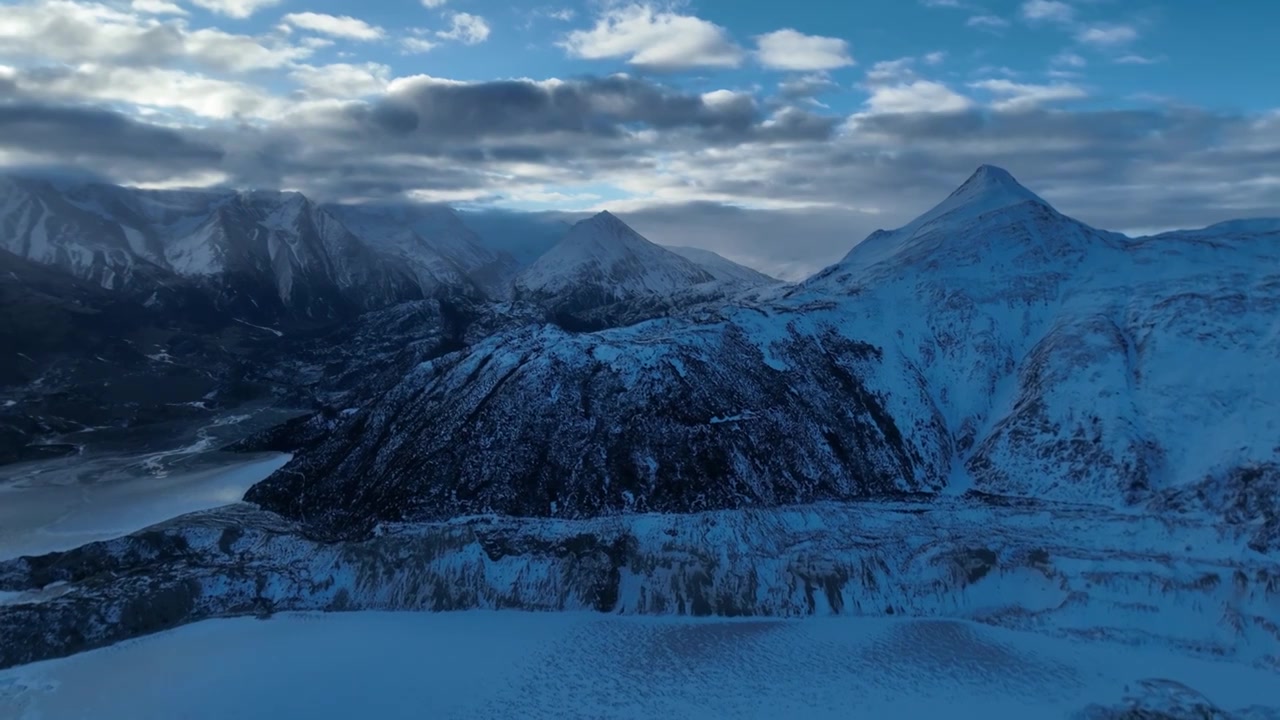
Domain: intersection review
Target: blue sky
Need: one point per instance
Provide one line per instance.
(718, 123)
(1222, 57)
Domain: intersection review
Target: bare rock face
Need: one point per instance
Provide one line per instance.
(547, 423)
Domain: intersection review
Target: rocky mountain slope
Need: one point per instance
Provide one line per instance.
(992, 345)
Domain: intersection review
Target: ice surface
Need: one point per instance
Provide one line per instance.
(574, 665)
(41, 513)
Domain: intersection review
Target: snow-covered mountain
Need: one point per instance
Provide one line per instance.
(1071, 363)
(1044, 426)
(38, 222)
(722, 268)
(263, 254)
(434, 243)
(992, 344)
(601, 261)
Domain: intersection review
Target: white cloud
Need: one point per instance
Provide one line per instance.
(656, 39)
(1133, 59)
(1107, 35)
(563, 14)
(432, 4)
(343, 26)
(72, 33)
(235, 8)
(466, 28)
(157, 88)
(987, 22)
(1047, 11)
(1015, 97)
(416, 45)
(342, 80)
(239, 53)
(918, 96)
(891, 71)
(1067, 58)
(157, 7)
(789, 49)
(728, 100)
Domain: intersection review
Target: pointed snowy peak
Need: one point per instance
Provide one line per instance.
(603, 258)
(988, 189)
(991, 215)
(602, 227)
(989, 181)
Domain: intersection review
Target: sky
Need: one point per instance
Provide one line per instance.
(776, 133)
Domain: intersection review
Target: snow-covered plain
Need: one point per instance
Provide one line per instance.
(576, 665)
(43, 511)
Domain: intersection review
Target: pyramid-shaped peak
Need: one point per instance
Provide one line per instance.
(604, 218)
(988, 189)
(603, 225)
(992, 174)
(993, 184)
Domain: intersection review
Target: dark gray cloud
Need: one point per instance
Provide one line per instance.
(603, 106)
(802, 87)
(63, 131)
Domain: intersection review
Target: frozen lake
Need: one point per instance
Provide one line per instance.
(387, 666)
(64, 503)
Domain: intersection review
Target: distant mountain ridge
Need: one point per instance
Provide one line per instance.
(269, 255)
(265, 254)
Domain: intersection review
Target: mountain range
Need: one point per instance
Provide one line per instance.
(994, 412)
(993, 345)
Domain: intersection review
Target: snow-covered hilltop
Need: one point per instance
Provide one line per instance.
(602, 261)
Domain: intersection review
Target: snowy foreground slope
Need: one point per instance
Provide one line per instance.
(1183, 584)
(574, 665)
